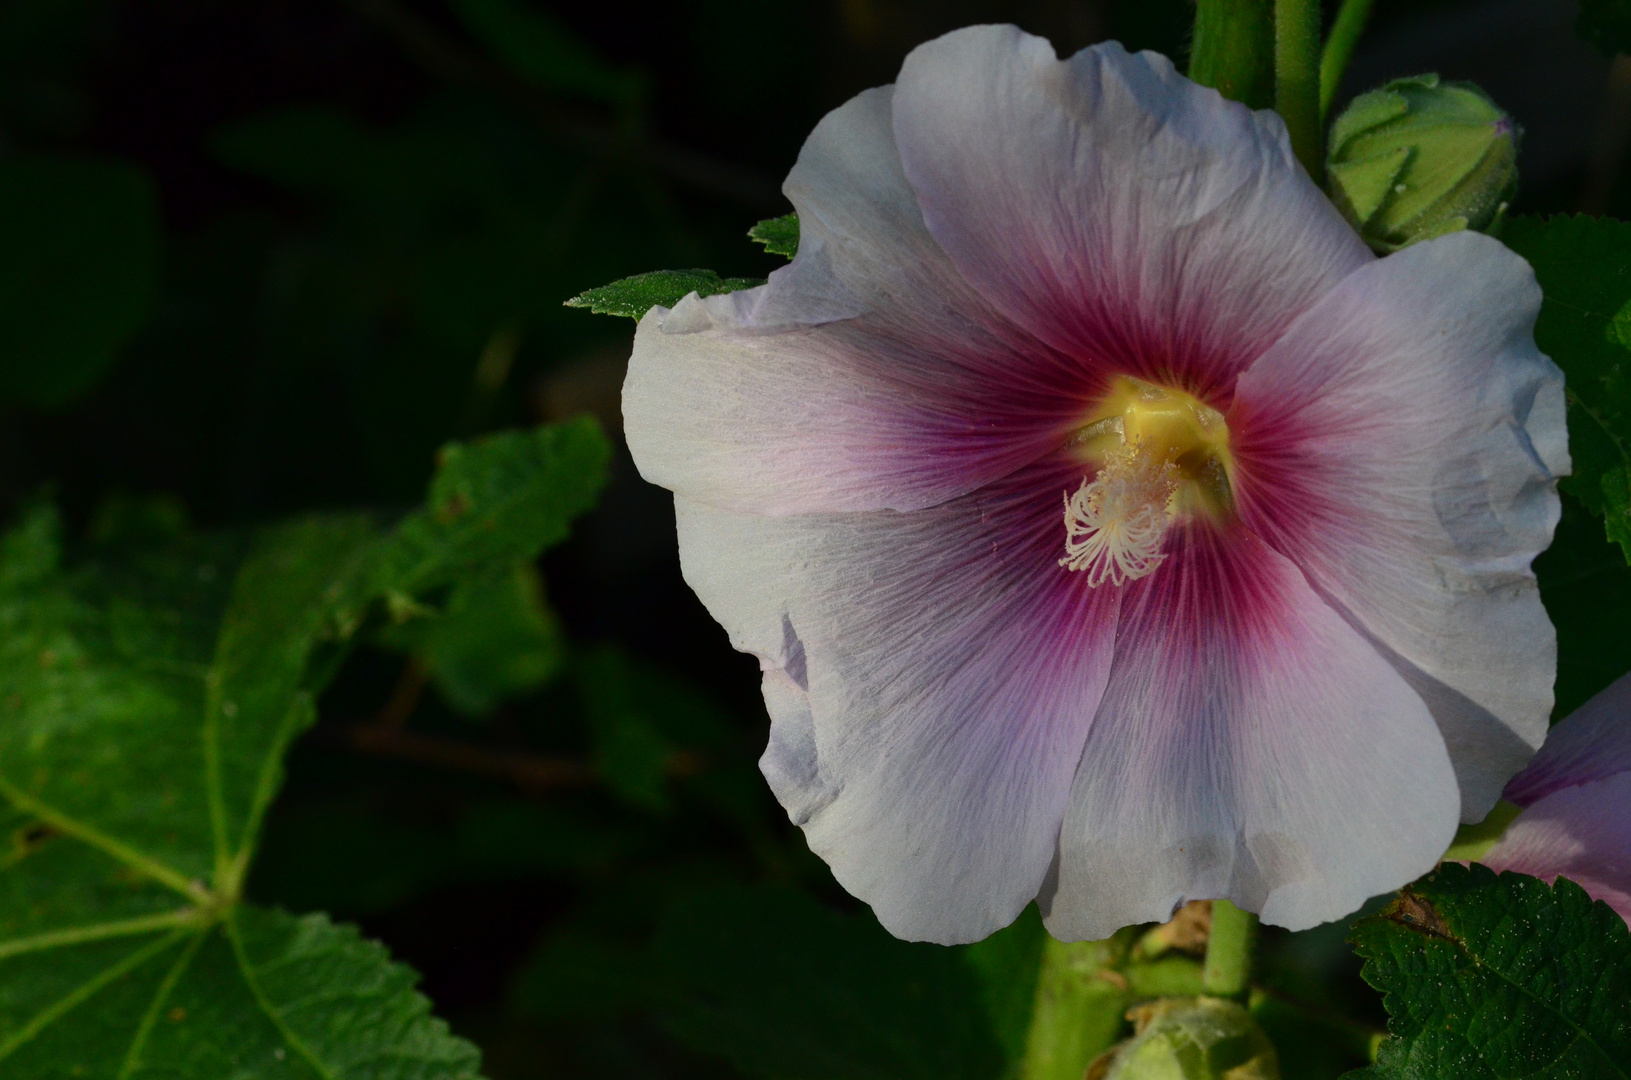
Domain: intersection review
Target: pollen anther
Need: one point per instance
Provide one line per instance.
(1114, 523)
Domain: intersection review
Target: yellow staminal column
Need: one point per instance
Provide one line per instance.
(1158, 454)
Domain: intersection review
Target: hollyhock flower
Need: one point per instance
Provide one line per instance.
(1112, 527)
(1576, 796)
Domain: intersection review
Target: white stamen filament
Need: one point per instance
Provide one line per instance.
(1115, 523)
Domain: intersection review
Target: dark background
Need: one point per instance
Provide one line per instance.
(372, 212)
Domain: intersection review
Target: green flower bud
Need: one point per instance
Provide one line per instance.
(1420, 158)
(1198, 1038)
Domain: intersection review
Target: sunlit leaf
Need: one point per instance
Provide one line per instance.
(780, 235)
(637, 295)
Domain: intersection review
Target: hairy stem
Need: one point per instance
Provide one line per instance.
(1229, 950)
(1080, 999)
(1297, 79)
(1339, 48)
(1234, 49)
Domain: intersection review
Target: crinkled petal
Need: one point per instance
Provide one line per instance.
(1113, 208)
(865, 375)
(930, 678)
(1400, 444)
(1592, 743)
(1250, 745)
(1582, 833)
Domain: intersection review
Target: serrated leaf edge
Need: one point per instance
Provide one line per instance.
(1446, 934)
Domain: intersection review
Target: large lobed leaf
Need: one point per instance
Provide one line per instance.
(1490, 977)
(146, 704)
(1584, 268)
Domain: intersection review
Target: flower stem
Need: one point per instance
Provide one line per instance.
(1234, 49)
(1080, 999)
(1339, 48)
(1229, 950)
(1297, 79)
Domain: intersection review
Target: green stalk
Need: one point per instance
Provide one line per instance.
(1339, 48)
(1297, 79)
(1234, 49)
(1229, 950)
(1080, 1000)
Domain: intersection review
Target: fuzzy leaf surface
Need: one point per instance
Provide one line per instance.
(493, 503)
(147, 700)
(1489, 977)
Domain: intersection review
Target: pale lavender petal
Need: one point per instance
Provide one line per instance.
(1112, 207)
(1401, 445)
(1592, 743)
(930, 679)
(1582, 833)
(1250, 745)
(866, 375)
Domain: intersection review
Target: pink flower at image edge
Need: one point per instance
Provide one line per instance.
(1576, 796)
(1112, 527)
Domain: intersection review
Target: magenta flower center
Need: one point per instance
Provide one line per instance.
(1157, 454)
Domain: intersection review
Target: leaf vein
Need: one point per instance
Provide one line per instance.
(84, 992)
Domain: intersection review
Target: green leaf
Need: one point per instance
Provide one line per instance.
(1007, 965)
(1584, 268)
(779, 235)
(542, 49)
(1606, 24)
(641, 722)
(136, 759)
(494, 502)
(494, 640)
(294, 592)
(31, 551)
(637, 295)
(147, 700)
(1582, 575)
(783, 987)
(259, 994)
(79, 263)
(1487, 977)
